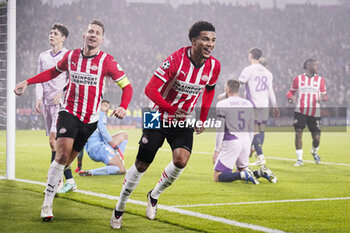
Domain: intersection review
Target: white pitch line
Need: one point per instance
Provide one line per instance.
(309, 161)
(264, 202)
(210, 153)
(276, 158)
(173, 209)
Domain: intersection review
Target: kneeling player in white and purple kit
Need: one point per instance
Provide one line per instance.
(234, 138)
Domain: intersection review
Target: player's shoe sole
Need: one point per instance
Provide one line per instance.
(268, 174)
(299, 163)
(151, 209)
(116, 223)
(85, 173)
(46, 213)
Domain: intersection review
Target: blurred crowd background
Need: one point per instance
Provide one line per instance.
(140, 36)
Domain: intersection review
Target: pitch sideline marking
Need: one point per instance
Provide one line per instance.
(173, 209)
(209, 153)
(265, 202)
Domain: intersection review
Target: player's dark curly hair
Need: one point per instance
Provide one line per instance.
(307, 61)
(61, 28)
(198, 27)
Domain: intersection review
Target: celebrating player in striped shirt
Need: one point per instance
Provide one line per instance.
(311, 90)
(174, 90)
(89, 69)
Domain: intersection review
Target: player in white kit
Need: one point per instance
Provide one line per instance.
(259, 90)
(48, 94)
(234, 138)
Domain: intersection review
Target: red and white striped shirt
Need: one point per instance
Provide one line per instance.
(310, 89)
(183, 82)
(87, 82)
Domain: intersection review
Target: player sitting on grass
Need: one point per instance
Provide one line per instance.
(101, 147)
(234, 138)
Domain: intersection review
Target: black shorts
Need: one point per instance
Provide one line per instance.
(152, 139)
(69, 126)
(313, 123)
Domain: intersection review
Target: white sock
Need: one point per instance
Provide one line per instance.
(314, 150)
(170, 174)
(299, 154)
(260, 157)
(132, 179)
(53, 176)
(243, 177)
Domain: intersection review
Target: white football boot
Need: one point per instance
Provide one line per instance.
(46, 213)
(116, 223)
(299, 163)
(151, 210)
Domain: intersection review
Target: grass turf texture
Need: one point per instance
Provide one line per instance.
(195, 186)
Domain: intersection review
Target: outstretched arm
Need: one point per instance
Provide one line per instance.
(40, 78)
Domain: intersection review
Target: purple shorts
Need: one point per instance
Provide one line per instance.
(50, 113)
(233, 154)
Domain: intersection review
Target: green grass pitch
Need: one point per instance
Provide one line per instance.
(20, 202)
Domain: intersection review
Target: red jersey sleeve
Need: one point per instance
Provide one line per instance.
(294, 87)
(114, 70)
(216, 73)
(62, 65)
(323, 87)
(167, 70)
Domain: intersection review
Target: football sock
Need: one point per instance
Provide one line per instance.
(107, 170)
(262, 137)
(132, 178)
(122, 146)
(299, 154)
(68, 174)
(314, 150)
(315, 143)
(53, 155)
(80, 158)
(229, 176)
(53, 176)
(257, 144)
(169, 175)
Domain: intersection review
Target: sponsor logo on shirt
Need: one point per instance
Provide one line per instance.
(84, 79)
(187, 88)
(307, 89)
